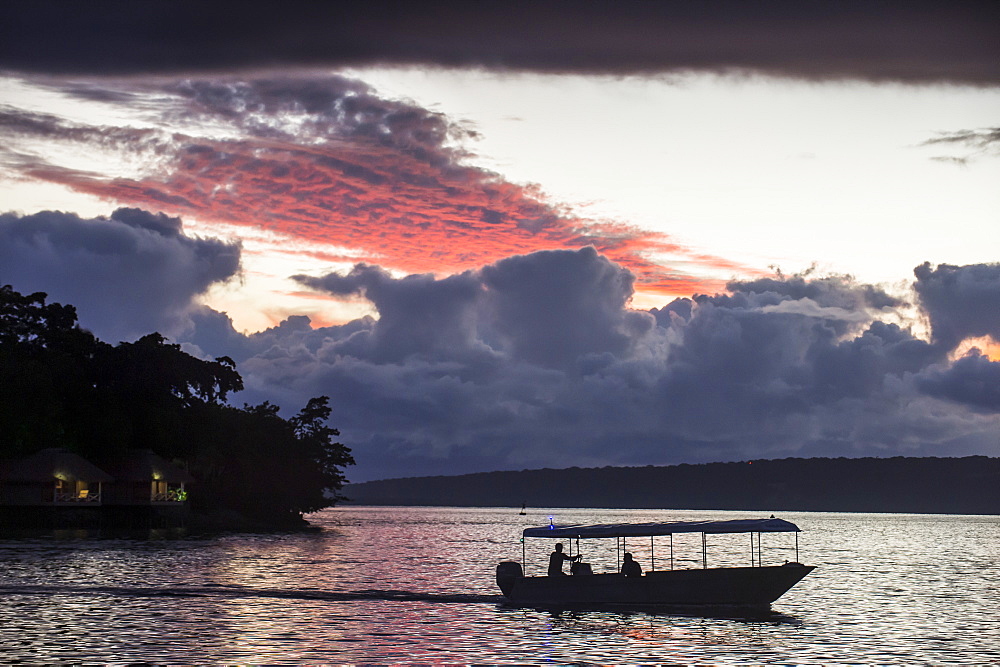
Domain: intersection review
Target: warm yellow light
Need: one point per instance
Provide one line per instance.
(986, 345)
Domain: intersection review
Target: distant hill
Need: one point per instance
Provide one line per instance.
(929, 485)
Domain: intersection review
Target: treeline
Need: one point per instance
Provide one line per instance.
(969, 485)
(62, 387)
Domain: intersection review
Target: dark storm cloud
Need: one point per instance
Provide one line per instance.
(960, 301)
(551, 309)
(827, 292)
(782, 362)
(323, 107)
(418, 315)
(129, 274)
(905, 41)
(537, 360)
(973, 380)
(554, 308)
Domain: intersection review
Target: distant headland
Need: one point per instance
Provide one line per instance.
(924, 485)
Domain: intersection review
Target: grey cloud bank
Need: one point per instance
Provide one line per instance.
(538, 360)
(129, 274)
(917, 41)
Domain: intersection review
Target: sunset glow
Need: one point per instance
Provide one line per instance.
(986, 345)
(496, 242)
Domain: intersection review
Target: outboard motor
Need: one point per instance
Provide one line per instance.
(508, 572)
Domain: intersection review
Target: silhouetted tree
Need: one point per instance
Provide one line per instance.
(272, 468)
(318, 442)
(61, 387)
(159, 389)
(46, 373)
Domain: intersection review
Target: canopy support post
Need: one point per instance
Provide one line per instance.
(671, 551)
(751, 549)
(652, 561)
(704, 551)
(796, 546)
(760, 554)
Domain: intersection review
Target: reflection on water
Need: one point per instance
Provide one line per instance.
(416, 585)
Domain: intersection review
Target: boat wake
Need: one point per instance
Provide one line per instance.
(391, 595)
(245, 592)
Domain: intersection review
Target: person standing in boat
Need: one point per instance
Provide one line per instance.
(556, 559)
(631, 568)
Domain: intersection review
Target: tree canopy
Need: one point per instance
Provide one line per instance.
(62, 387)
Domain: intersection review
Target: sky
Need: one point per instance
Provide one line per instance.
(508, 235)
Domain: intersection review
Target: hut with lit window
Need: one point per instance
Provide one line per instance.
(144, 478)
(52, 477)
(51, 488)
(147, 492)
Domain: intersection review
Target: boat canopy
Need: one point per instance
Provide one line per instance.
(650, 529)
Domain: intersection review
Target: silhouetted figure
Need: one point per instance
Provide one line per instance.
(556, 559)
(522, 512)
(630, 568)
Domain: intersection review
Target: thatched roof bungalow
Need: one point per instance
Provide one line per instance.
(51, 477)
(142, 477)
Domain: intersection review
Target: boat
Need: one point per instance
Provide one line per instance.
(753, 588)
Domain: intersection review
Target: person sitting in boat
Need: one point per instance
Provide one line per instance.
(556, 559)
(631, 568)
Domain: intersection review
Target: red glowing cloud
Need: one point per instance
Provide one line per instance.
(375, 177)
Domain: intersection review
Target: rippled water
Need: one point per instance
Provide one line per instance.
(416, 585)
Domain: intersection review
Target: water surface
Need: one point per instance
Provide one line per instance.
(416, 585)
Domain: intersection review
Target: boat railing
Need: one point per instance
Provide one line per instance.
(704, 528)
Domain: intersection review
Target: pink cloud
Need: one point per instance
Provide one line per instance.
(379, 179)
